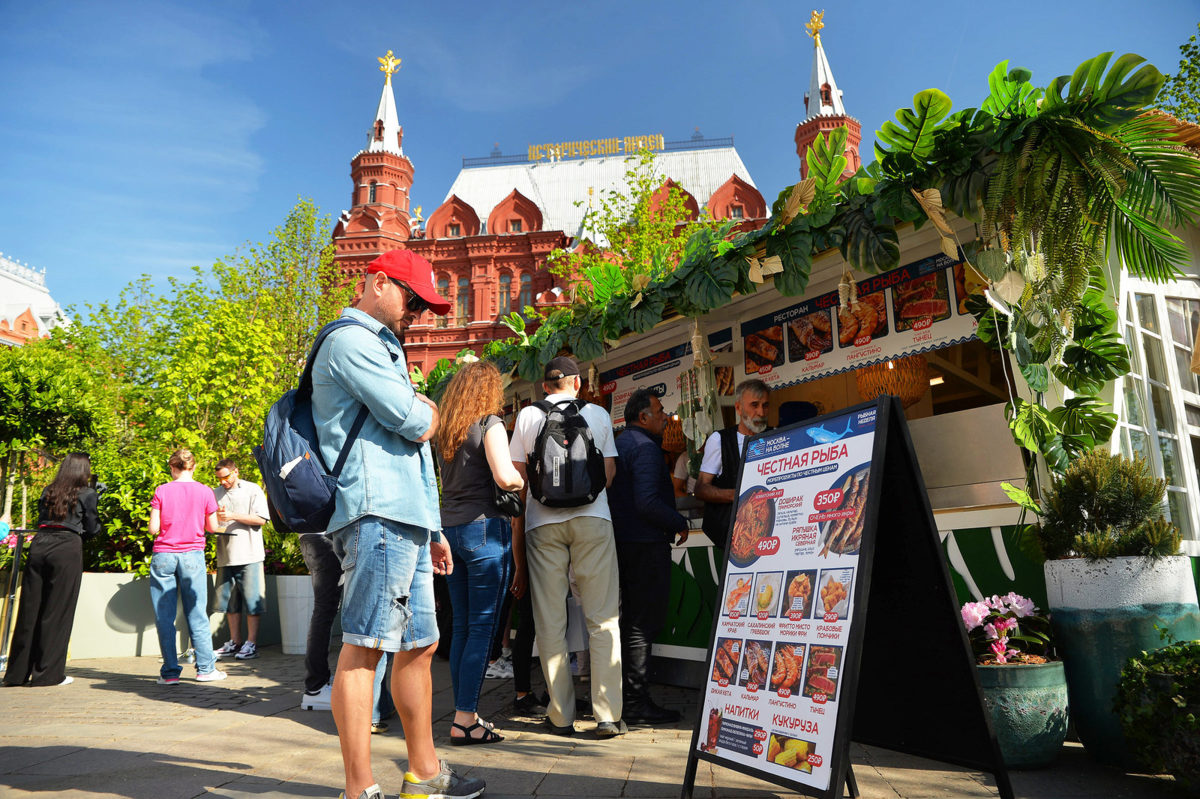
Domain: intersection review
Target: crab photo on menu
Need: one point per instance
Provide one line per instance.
(737, 598)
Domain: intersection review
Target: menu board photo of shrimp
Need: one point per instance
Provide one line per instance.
(764, 349)
(821, 675)
(756, 665)
(790, 752)
(801, 587)
(811, 333)
(786, 668)
(864, 321)
(925, 297)
(737, 598)
(728, 652)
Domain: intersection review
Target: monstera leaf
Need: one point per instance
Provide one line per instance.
(586, 341)
(1090, 362)
(706, 289)
(912, 132)
(827, 160)
(1011, 92)
(794, 250)
(867, 245)
(1105, 100)
(1084, 423)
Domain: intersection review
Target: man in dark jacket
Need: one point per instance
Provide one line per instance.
(645, 521)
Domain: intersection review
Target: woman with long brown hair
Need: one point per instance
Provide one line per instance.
(472, 450)
(50, 591)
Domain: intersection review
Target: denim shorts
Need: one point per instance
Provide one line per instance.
(250, 596)
(387, 585)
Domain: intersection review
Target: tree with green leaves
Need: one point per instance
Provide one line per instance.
(1180, 95)
(49, 406)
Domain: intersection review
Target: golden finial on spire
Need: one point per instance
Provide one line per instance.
(389, 64)
(814, 26)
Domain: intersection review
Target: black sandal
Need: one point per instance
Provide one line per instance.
(489, 736)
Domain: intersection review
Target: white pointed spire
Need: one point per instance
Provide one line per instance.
(823, 98)
(384, 135)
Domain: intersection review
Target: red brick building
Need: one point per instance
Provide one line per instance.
(489, 239)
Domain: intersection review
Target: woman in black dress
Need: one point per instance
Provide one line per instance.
(66, 513)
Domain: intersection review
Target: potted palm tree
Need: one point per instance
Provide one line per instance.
(1114, 578)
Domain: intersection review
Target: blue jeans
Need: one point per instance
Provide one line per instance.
(387, 585)
(482, 568)
(181, 575)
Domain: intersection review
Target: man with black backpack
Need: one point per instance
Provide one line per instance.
(385, 526)
(564, 449)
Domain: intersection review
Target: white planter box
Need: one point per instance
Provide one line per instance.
(1119, 582)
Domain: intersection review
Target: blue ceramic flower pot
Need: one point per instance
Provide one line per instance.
(1028, 706)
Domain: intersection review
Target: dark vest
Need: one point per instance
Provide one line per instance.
(716, 514)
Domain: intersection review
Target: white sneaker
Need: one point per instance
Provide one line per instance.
(211, 676)
(249, 650)
(67, 680)
(321, 700)
(228, 648)
(499, 669)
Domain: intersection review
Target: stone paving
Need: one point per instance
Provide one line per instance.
(115, 733)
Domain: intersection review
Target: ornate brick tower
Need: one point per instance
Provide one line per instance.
(823, 103)
(378, 219)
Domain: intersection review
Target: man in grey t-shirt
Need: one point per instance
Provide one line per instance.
(242, 509)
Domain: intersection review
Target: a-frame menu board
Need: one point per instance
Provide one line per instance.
(837, 619)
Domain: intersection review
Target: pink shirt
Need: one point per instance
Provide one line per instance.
(183, 506)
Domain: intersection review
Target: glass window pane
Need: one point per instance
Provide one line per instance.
(1193, 414)
(1164, 419)
(1177, 506)
(1125, 449)
(1183, 363)
(1164, 411)
(1139, 446)
(1177, 320)
(1156, 365)
(1135, 353)
(1135, 405)
(1146, 312)
(1172, 469)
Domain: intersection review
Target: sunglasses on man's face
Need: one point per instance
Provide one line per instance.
(414, 302)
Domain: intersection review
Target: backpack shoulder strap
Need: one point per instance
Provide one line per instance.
(543, 406)
(306, 387)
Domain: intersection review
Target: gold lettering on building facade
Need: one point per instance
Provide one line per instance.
(596, 147)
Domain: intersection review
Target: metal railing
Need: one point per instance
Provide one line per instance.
(670, 146)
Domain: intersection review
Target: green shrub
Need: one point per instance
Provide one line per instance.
(1106, 506)
(1158, 701)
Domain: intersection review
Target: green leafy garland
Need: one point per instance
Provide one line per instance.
(1056, 179)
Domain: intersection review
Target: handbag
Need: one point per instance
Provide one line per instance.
(507, 502)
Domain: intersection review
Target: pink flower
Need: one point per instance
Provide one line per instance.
(11, 541)
(1000, 650)
(1020, 606)
(973, 614)
(990, 631)
(1003, 624)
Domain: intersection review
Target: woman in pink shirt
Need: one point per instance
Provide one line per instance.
(179, 514)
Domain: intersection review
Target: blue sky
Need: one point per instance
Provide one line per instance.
(145, 137)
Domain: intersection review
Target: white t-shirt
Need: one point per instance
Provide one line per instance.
(712, 453)
(246, 543)
(524, 439)
(681, 472)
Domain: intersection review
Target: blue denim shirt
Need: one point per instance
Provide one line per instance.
(387, 474)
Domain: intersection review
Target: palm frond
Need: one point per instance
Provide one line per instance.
(1148, 249)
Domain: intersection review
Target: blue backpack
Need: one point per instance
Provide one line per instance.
(301, 490)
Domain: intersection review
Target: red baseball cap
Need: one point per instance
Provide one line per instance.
(413, 271)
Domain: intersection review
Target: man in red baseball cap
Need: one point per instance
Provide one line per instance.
(386, 525)
(414, 276)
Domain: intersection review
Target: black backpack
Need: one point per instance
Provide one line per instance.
(567, 469)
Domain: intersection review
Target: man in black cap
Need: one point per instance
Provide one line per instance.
(578, 537)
